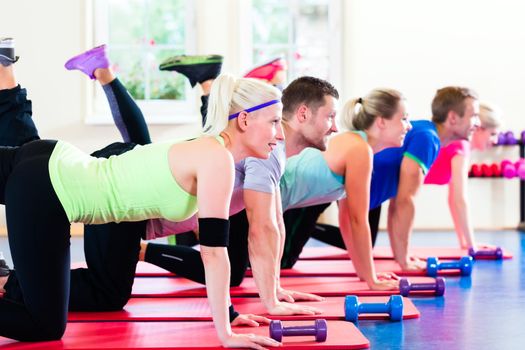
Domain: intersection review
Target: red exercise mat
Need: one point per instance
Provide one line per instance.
(334, 253)
(147, 287)
(346, 268)
(439, 252)
(197, 309)
(323, 253)
(144, 269)
(180, 335)
(301, 268)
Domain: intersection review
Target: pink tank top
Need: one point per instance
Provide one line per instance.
(441, 171)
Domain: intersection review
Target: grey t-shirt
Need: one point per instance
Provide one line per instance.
(261, 175)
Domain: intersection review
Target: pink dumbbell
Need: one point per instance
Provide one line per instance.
(508, 169)
(520, 168)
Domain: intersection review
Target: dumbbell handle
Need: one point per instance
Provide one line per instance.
(299, 330)
(449, 265)
(373, 308)
(483, 252)
(423, 286)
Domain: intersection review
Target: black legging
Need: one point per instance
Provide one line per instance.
(111, 250)
(39, 240)
(332, 235)
(301, 224)
(16, 124)
(185, 261)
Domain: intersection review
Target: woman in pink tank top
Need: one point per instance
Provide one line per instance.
(451, 167)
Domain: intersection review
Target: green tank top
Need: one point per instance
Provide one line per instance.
(133, 186)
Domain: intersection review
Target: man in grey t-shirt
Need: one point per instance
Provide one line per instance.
(309, 109)
(257, 233)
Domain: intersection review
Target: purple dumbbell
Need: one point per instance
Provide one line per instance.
(438, 286)
(510, 139)
(319, 329)
(492, 253)
(502, 140)
(523, 137)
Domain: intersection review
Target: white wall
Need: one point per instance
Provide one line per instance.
(414, 46)
(420, 46)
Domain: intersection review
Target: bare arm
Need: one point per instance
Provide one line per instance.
(458, 203)
(264, 245)
(286, 294)
(402, 210)
(216, 186)
(353, 216)
(214, 191)
(280, 225)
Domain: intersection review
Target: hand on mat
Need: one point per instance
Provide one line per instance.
(389, 284)
(250, 320)
(383, 276)
(414, 264)
(251, 341)
(485, 247)
(292, 296)
(284, 308)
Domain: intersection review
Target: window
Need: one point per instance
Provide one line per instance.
(140, 35)
(305, 32)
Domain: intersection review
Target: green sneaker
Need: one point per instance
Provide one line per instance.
(197, 69)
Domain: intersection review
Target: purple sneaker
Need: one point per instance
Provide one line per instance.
(88, 61)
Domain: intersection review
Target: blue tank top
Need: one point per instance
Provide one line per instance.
(308, 180)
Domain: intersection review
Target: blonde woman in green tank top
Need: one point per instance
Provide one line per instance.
(166, 180)
(205, 168)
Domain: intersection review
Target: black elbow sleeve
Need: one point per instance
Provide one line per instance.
(214, 232)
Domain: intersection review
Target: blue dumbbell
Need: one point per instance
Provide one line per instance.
(464, 265)
(394, 307)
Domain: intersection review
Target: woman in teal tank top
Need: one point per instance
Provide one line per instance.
(373, 123)
(244, 120)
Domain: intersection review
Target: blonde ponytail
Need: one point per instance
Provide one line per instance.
(360, 113)
(229, 95)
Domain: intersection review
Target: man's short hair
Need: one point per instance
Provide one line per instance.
(450, 98)
(306, 90)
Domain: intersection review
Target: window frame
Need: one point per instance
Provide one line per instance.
(155, 111)
(335, 47)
